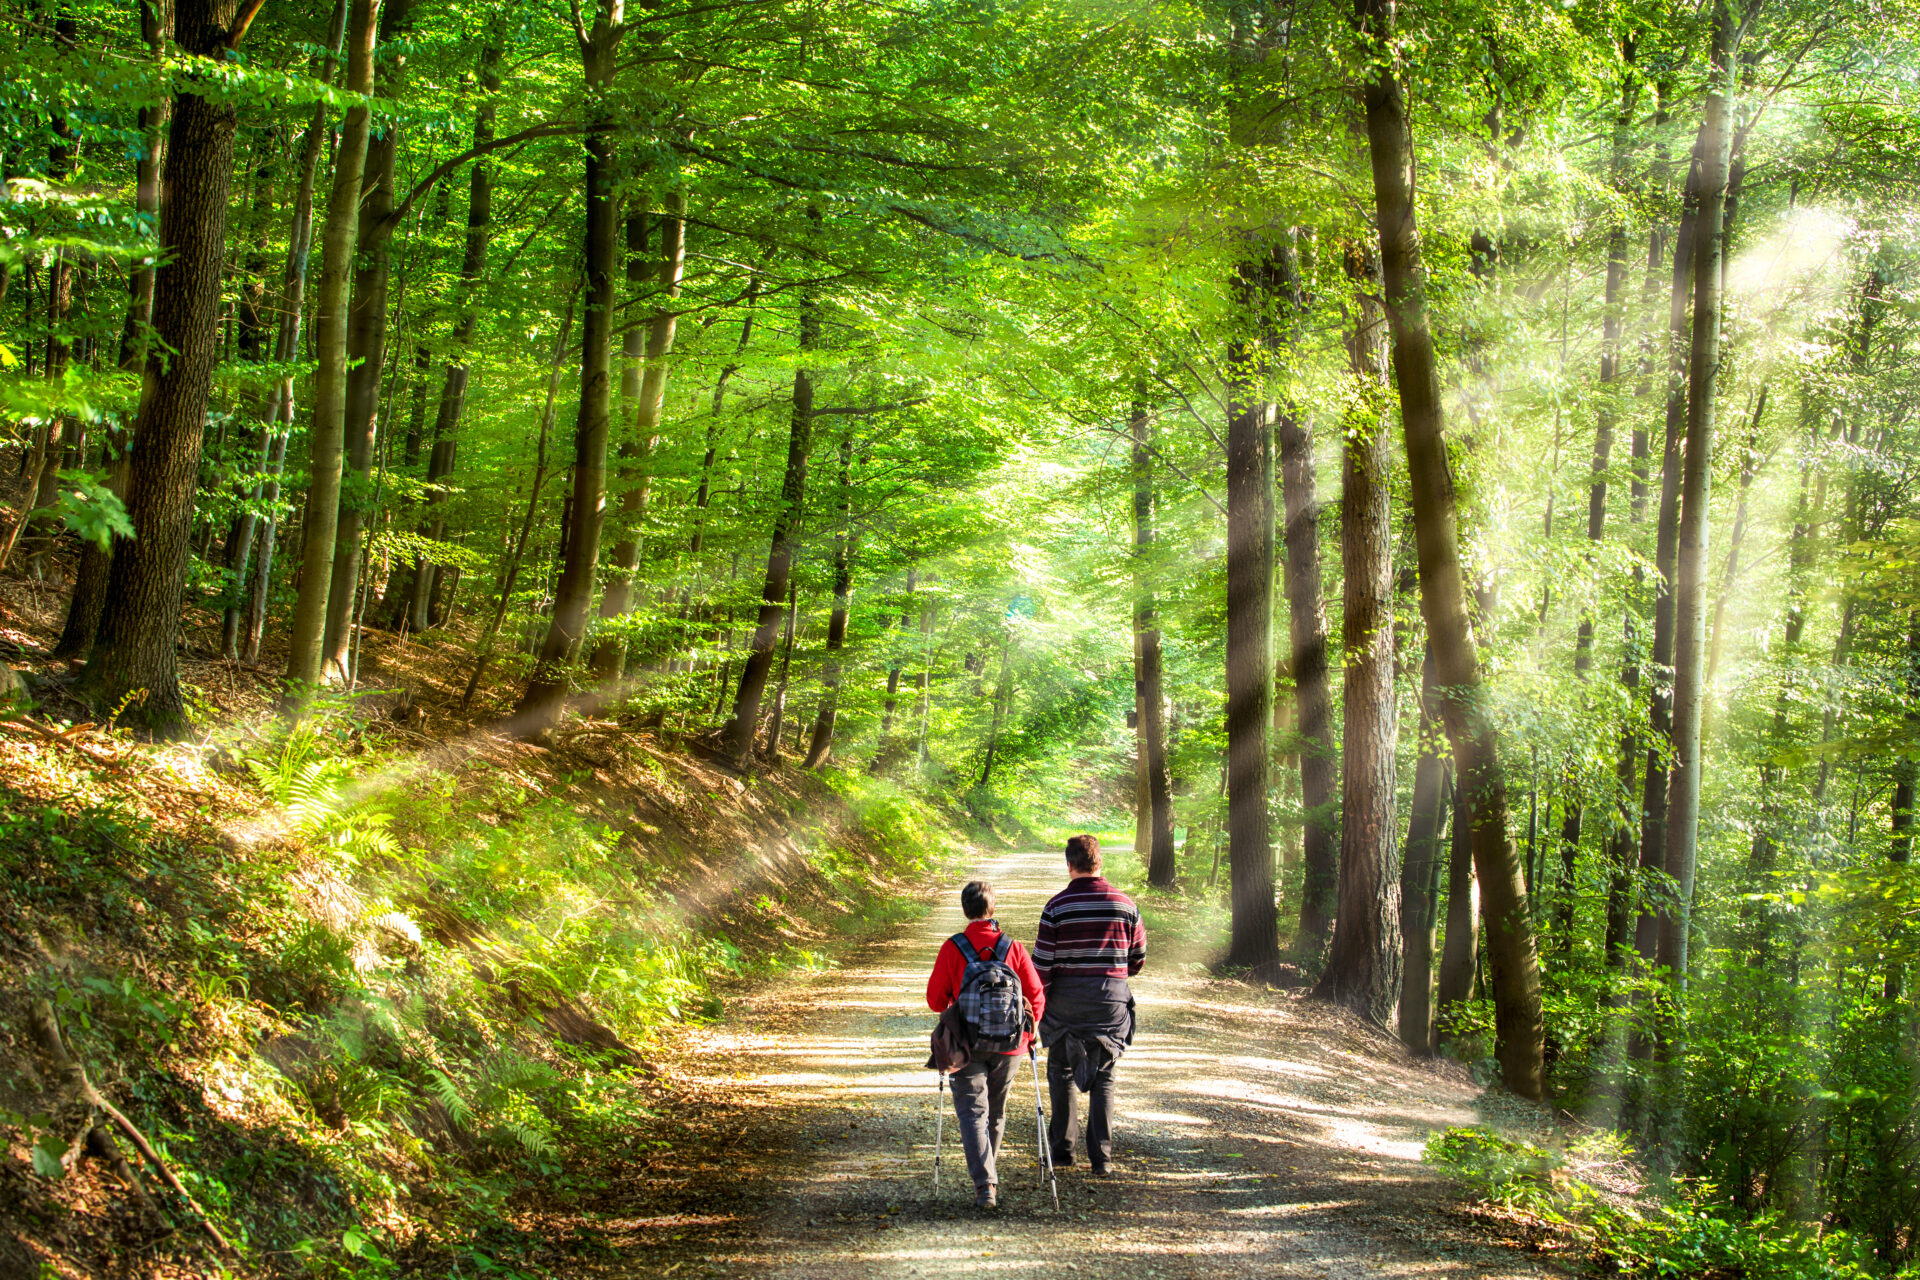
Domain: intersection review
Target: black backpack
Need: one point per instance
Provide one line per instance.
(991, 1005)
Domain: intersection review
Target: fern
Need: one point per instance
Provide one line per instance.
(448, 1095)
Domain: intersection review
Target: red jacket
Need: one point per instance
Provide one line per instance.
(943, 988)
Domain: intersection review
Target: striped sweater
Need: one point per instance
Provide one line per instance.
(1089, 930)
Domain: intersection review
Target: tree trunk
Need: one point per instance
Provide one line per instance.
(636, 452)
(134, 649)
(897, 665)
(545, 697)
(1307, 623)
(1150, 696)
(1420, 872)
(366, 351)
(1512, 961)
(327, 432)
(1653, 804)
(779, 717)
(1712, 155)
(780, 553)
(1255, 939)
(843, 550)
(1002, 700)
(89, 596)
(1363, 964)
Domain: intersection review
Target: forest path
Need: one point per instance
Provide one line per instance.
(1258, 1133)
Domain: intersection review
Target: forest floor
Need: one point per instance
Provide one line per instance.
(1258, 1133)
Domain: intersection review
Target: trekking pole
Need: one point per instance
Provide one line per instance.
(939, 1128)
(1040, 1118)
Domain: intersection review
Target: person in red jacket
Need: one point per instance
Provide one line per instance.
(980, 1088)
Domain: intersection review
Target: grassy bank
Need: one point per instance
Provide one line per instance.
(375, 998)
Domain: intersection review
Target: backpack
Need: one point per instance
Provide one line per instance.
(990, 1002)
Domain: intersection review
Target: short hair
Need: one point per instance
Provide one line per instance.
(1083, 853)
(976, 899)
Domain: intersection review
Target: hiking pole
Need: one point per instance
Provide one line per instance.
(1040, 1118)
(939, 1128)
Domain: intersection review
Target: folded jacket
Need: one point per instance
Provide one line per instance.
(1092, 1020)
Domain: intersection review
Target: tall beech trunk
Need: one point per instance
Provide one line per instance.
(1750, 464)
(134, 648)
(89, 594)
(1420, 872)
(1150, 696)
(1512, 962)
(780, 553)
(327, 432)
(254, 348)
(441, 453)
(1460, 955)
(1313, 700)
(367, 316)
(543, 702)
(1364, 963)
(280, 408)
(1712, 155)
(896, 666)
(638, 449)
(777, 721)
(1255, 938)
(1653, 803)
(843, 551)
(1606, 415)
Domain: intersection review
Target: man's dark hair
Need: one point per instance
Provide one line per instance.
(976, 899)
(1083, 854)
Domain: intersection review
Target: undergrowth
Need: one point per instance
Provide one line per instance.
(1670, 1231)
(367, 1019)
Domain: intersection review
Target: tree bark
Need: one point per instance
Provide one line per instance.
(778, 720)
(543, 702)
(1512, 961)
(1364, 963)
(636, 452)
(843, 551)
(1307, 627)
(1150, 697)
(1712, 155)
(134, 649)
(1255, 940)
(327, 432)
(1420, 872)
(740, 728)
(89, 596)
(366, 350)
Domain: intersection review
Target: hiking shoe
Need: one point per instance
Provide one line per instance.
(987, 1198)
(1102, 1170)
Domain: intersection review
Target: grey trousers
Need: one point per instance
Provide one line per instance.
(980, 1102)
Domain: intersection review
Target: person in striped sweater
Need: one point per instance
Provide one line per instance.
(1090, 942)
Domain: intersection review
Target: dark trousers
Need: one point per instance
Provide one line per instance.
(1063, 1126)
(980, 1104)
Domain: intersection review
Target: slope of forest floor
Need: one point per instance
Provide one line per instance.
(369, 985)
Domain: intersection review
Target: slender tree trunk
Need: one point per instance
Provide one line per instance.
(1900, 848)
(1150, 696)
(780, 553)
(637, 451)
(1512, 961)
(1255, 939)
(1363, 965)
(779, 717)
(843, 552)
(1307, 622)
(1653, 805)
(1420, 871)
(89, 595)
(328, 430)
(545, 697)
(897, 665)
(1002, 700)
(367, 316)
(140, 622)
(1712, 155)
(1750, 463)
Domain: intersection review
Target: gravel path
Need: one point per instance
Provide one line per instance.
(1258, 1134)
